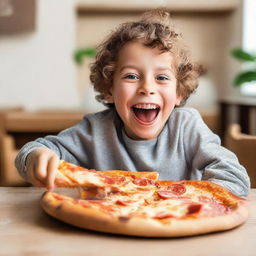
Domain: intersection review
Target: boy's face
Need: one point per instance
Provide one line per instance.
(144, 90)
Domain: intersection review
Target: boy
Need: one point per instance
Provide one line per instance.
(142, 72)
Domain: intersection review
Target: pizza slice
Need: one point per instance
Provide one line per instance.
(94, 183)
(184, 199)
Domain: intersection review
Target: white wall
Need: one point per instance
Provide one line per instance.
(36, 68)
(249, 40)
(249, 21)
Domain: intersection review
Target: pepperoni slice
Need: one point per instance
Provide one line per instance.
(177, 189)
(194, 208)
(121, 179)
(143, 182)
(214, 208)
(109, 180)
(124, 202)
(165, 194)
(114, 180)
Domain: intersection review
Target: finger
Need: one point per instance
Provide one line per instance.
(33, 180)
(40, 169)
(51, 172)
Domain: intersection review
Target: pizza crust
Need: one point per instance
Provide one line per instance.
(148, 175)
(96, 220)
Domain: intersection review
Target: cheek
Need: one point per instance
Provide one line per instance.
(122, 92)
(170, 102)
(170, 94)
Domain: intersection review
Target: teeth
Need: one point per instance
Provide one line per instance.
(146, 106)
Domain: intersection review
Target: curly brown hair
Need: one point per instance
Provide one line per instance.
(154, 30)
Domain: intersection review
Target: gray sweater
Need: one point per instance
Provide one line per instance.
(185, 149)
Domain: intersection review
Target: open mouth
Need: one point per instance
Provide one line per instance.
(146, 113)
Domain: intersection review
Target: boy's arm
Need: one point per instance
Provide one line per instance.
(216, 163)
(221, 166)
(21, 159)
(68, 144)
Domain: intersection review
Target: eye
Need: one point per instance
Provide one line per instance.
(162, 78)
(131, 76)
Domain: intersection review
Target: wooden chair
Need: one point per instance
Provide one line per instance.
(244, 146)
(8, 173)
(17, 127)
(212, 120)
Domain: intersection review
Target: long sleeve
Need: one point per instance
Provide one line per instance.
(216, 163)
(185, 149)
(71, 145)
(92, 143)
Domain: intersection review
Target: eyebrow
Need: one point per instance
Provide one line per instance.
(135, 67)
(128, 66)
(165, 68)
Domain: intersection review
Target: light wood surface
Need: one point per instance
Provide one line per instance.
(138, 5)
(44, 121)
(26, 230)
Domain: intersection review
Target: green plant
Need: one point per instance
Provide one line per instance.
(249, 74)
(82, 53)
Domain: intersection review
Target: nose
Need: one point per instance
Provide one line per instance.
(147, 87)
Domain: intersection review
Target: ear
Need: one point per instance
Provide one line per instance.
(178, 100)
(109, 97)
(179, 96)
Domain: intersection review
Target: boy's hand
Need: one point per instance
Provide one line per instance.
(42, 164)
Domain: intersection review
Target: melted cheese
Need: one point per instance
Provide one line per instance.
(176, 210)
(140, 200)
(88, 178)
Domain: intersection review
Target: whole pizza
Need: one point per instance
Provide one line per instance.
(138, 204)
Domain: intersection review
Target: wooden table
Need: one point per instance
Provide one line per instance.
(26, 230)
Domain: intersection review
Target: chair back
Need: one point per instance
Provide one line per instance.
(244, 146)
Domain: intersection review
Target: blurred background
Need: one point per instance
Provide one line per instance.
(43, 89)
(37, 68)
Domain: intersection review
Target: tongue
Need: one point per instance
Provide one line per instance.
(145, 115)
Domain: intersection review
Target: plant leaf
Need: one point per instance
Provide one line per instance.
(244, 77)
(242, 55)
(80, 54)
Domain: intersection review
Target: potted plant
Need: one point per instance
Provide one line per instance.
(248, 75)
(82, 53)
